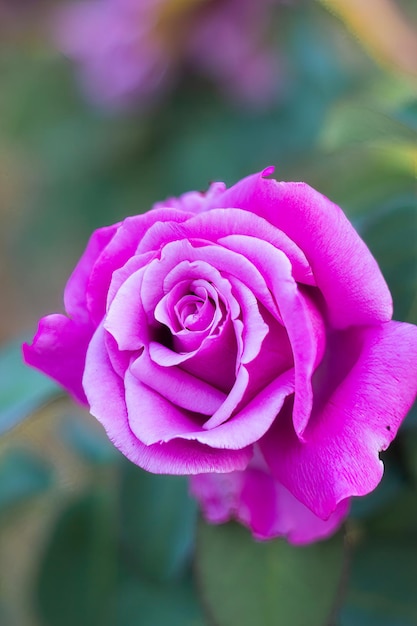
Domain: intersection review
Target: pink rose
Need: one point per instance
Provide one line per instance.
(243, 335)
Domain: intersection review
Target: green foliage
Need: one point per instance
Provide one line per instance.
(121, 553)
(382, 583)
(77, 574)
(22, 476)
(159, 605)
(22, 389)
(157, 522)
(111, 560)
(245, 582)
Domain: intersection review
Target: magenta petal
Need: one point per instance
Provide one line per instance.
(59, 350)
(75, 290)
(345, 271)
(270, 510)
(263, 505)
(215, 224)
(105, 393)
(359, 418)
(194, 201)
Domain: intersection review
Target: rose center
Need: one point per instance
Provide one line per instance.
(195, 311)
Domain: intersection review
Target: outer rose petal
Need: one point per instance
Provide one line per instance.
(75, 290)
(263, 505)
(194, 201)
(59, 350)
(345, 271)
(360, 417)
(119, 250)
(106, 396)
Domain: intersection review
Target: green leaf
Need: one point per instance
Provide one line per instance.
(78, 572)
(382, 590)
(352, 123)
(273, 583)
(150, 604)
(23, 390)
(392, 237)
(386, 492)
(158, 520)
(89, 441)
(22, 475)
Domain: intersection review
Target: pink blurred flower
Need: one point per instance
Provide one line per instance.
(245, 332)
(132, 50)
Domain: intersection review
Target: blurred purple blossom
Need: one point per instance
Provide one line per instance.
(132, 51)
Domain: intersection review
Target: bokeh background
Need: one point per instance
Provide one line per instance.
(326, 92)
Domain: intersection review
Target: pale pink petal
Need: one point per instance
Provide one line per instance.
(105, 393)
(181, 261)
(177, 386)
(132, 265)
(120, 249)
(353, 421)
(301, 317)
(126, 320)
(273, 359)
(58, 349)
(153, 418)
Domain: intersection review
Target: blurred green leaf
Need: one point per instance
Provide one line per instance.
(382, 588)
(77, 577)
(392, 483)
(22, 475)
(352, 123)
(246, 582)
(148, 604)
(89, 442)
(392, 237)
(157, 522)
(23, 390)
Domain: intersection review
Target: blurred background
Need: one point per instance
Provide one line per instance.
(105, 108)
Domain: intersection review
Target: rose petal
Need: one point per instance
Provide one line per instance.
(217, 223)
(177, 386)
(345, 271)
(194, 201)
(357, 419)
(167, 313)
(300, 315)
(153, 418)
(263, 505)
(75, 290)
(105, 394)
(58, 349)
(121, 247)
(126, 320)
(180, 261)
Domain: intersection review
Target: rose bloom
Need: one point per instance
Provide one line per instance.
(132, 50)
(243, 337)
